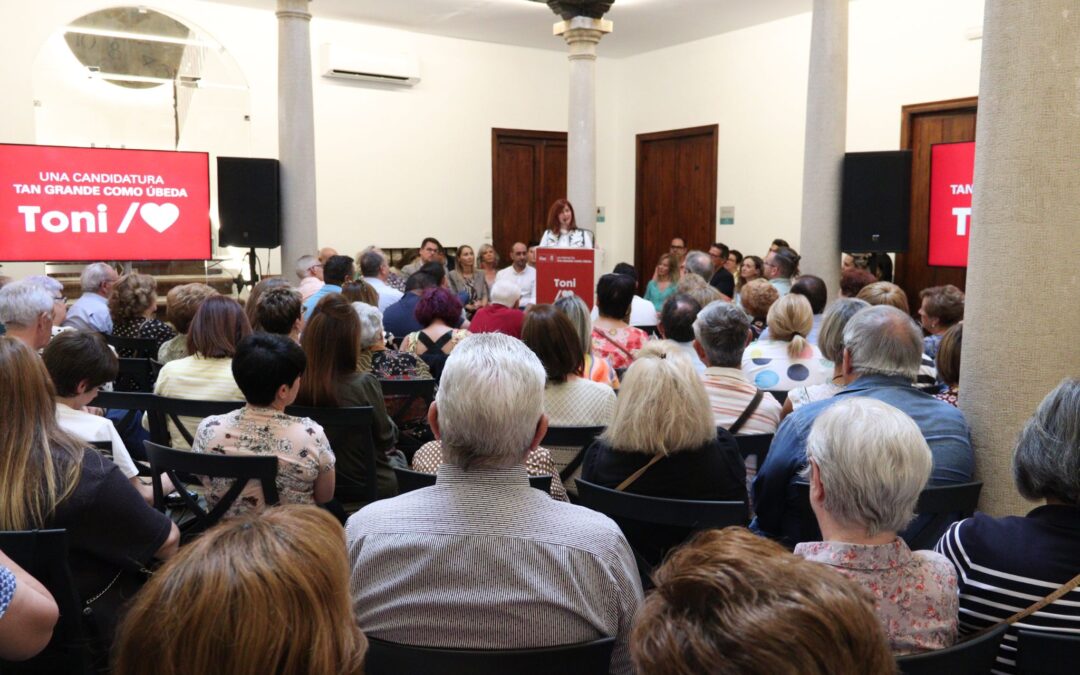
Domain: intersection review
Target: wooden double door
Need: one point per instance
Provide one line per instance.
(528, 173)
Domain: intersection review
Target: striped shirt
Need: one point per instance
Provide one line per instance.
(1005, 565)
(730, 393)
(483, 561)
(199, 379)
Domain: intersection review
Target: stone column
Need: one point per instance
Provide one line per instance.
(296, 133)
(582, 34)
(1021, 331)
(826, 140)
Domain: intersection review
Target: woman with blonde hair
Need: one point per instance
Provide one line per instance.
(468, 278)
(786, 359)
(831, 344)
(50, 480)
(133, 307)
(595, 369)
(665, 281)
(488, 262)
(266, 593)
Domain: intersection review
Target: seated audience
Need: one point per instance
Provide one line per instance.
(730, 603)
(256, 292)
(814, 290)
(133, 308)
(721, 334)
(91, 310)
(612, 337)
(336, 271)
(882, 351)
(642, 312)
(325, 253)
(400, 317)
(538, 462)
(26, 311)
(885, 293)
(854, 280)
(781, 265)
(662, 441)
(206, 373)
(698, 289)
(489, 263)
(942, 308)
(722, 279)
(596, 369)
(181, 304)
(570, 400)
(375, 358)
(831, 343)
(867, 464)
(60, 308)
(437, 312)
(502, 315)
(677, 325)
(752, 267)
(79, 362)
(268, 368)
(376, 272)
(429, 252)
(310, 272)
(1005, 565)
(264, 593)
(733, 263)
(697, 262)
(521, 273)
(279, 311)
(28, 612)
(664, 281)
(756, 298)
(787, 359)
(948, 363)
(331, 342)
(51, 480)
(359, 290)
(468, 280)
(515, 550)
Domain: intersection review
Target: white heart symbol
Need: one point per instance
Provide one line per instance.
(160, 217)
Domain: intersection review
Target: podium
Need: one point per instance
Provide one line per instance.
(562, 270)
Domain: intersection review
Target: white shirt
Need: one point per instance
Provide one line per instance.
(691, 353)
(525, 280)
(572, 239)
(388, 295)
(92, 428)
(642, 312)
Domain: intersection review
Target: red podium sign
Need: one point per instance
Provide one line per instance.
(952, 168)
(561, 270)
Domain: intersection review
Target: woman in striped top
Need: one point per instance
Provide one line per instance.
(1008, 564)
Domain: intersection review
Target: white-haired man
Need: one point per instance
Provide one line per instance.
(882, 353)
(310, 272)
(376, 271)
(502, 315)
(91, 310)
(481, 560)
(26, 311)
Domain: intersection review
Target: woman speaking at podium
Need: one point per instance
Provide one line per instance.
(562, 230)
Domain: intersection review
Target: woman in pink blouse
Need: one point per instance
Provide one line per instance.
(868, 462)
(612, 337)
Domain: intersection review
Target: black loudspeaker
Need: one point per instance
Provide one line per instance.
(249, 202)
(876, 205)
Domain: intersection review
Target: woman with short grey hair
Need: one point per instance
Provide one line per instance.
(831, 344)
(867, 464)
(1007, 564)
(374, 357)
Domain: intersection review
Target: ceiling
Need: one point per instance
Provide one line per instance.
(640, 25)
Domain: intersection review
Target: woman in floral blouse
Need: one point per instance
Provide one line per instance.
(267, 369)
(612, 337)
(868, 462)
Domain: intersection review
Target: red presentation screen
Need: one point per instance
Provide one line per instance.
(80, 204)
(952, 171)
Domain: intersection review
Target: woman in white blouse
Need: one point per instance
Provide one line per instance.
(786, 359)
(562, 230)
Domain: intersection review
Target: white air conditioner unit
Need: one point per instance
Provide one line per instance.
(349, 64)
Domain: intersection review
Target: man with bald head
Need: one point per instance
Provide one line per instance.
(882, 354)
(521, 273)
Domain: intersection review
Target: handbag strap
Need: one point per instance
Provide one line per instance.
(758, 395)
(1024, 613)
(637, 474)
(612, 341)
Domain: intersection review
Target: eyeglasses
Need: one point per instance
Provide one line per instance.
(59, 299)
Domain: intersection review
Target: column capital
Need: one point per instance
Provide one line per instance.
(582, 34)
(293, 9)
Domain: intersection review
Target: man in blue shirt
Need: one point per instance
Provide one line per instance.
(336, 271)
(882, 353)
(399, 318)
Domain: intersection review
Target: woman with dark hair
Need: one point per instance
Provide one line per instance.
(133, 307)
(469, 279)
(331, 342)
(282, 579)
(948, 363)
(734, 262)
(50, 480)
(753, 267)
(359, 290)
(612, 337)
(664, 283)
(257, 290)
(438, 311)
(562, 230)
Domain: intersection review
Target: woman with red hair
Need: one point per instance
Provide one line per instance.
(562, 230)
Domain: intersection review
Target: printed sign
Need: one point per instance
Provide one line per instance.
(952, 171)
(80, 204)
(564, 270)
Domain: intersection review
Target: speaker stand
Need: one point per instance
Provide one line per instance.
(254, 274)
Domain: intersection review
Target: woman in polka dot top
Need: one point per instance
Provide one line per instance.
(786, 359)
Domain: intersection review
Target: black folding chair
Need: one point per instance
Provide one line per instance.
(179, 464)
(163, 408)
(389, 658)
(1044, 653)
(971, 657)
(780, 396)
(401, 394)
(571, 437)
(138, 348)
(756, 445)
(346, 428)
(409, 480)
(44, 555)
(136, 375)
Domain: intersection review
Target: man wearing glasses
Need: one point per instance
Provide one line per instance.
(678, 247)
(310, 271)
(429, 252)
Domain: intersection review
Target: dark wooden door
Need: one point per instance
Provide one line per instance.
(528, 173)
(923, 125)
(675, 195)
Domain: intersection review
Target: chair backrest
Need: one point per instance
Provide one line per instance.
(808, 525)
(44, 555)
(752, 445)
(389, 658)
(409, 480)
(242, 469)
(136, 375)
(159, 409)
(779, 395)
(571, 437)
(1043, 653)
(354, 423)
(139, 348)
(971, 657)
